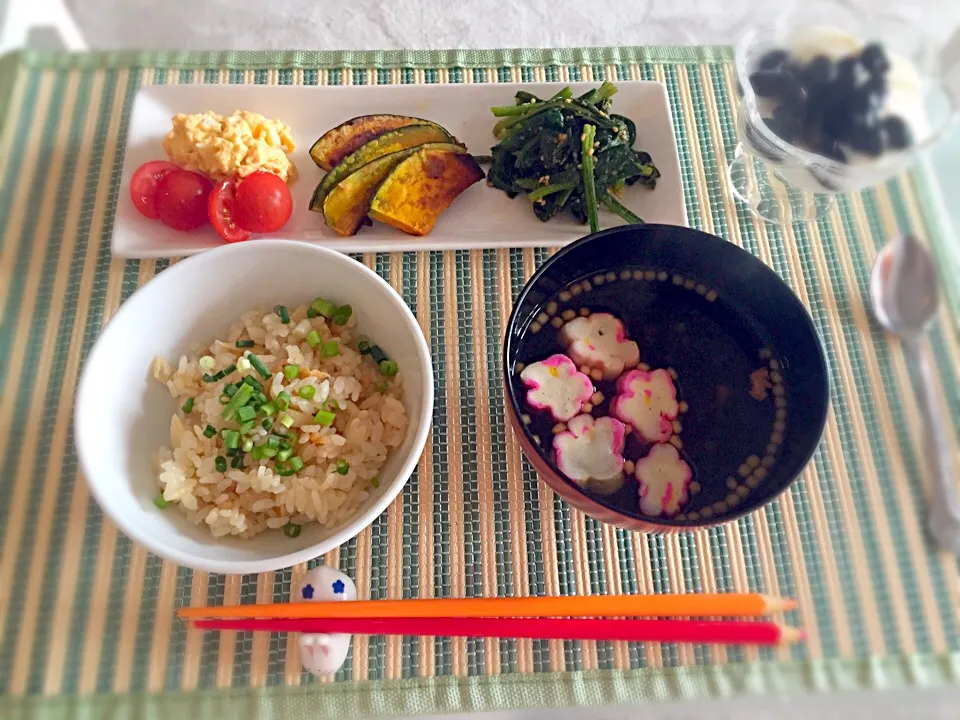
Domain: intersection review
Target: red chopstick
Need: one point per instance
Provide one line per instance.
(687, 631)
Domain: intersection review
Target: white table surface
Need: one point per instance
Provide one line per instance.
(441, 24)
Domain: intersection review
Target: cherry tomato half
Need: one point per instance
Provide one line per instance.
(262, 203)
(182, 199)
(220, 208)
(143, 186)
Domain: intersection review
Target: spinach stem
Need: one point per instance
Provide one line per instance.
(615, 206)
(589, 187)
(542, 192)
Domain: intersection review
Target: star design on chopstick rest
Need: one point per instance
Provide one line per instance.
(307, 592)
(339, 587)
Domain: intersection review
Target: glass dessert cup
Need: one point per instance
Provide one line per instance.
(783, 177)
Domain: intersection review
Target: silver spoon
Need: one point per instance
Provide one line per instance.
(903, 290)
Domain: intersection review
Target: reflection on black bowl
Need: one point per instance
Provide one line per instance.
(751, 375)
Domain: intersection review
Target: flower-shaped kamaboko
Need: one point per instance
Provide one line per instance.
(590, 452)
(664, 480)
(556, 385)
(648, 402)
(600, 341)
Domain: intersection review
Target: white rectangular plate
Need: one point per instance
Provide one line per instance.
(480, 218)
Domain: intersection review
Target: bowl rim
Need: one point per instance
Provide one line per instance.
(348, 530)
(663, 525)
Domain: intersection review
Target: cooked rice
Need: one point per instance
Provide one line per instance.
(253, 499)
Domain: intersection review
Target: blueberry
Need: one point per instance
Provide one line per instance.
(818, 72)
(786, 123)
(831, 150)
(864, 104)
(837, 124)
(787, 132)
(866, 140)
(874, 59)
(849, 73)
(792, 92)
(766, 83)
(773, 60)
(896, 133)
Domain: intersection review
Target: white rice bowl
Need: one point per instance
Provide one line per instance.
(370, 421)
(123, 415)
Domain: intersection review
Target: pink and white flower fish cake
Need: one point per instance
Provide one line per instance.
(556, 385)
(600, 341)
(590, 452)
(647, 400)
(664, 479)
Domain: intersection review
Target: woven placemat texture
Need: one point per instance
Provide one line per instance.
(86, 617)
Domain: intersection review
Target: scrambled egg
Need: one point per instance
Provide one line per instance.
(233, 146)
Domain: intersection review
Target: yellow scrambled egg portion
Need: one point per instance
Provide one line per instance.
(233, 146)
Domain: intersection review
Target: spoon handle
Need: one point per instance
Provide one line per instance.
(944, 502)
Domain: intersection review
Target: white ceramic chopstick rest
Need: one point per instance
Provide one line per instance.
(322, 654)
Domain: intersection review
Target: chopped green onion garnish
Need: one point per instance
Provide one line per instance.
(247, 445)
(268, 452)
(284, 445)
(220, 463)
(162, 503)
(207, 363)
(341, 315)
(230, 390)
(283, 469)
(325, 418)
(246, 413)
(307, 392)
(375, 481)
(240, 398)
(267, 423)
(381, 386)
(208, 378)
(364, 345)
(232, 452)
(231, 439)
(252, 382)
(268, 409)
(187, 407)
(286, 420)
(331, 348)
(313, 337)
(323, 307)
(237, 461)
(295, 463)
(284, 455)
(257, 452)
(282, 400)
(377, 354)
(245, 343)
(273, 442)
(209, 431)
(224, 398)
(259, 366)
(243, 365)
(248, 427)
(311, 313)
(228, 369)
(389, 367)
(283, 313)
(343, 467)
(291, 530)
(291, 372)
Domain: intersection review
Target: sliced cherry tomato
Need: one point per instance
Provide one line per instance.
(143, 186)
(182, 199)
(262, 203)
(220, 210)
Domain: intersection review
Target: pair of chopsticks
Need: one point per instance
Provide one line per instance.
(599, 617)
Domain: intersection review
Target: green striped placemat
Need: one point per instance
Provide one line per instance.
(86, 618)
